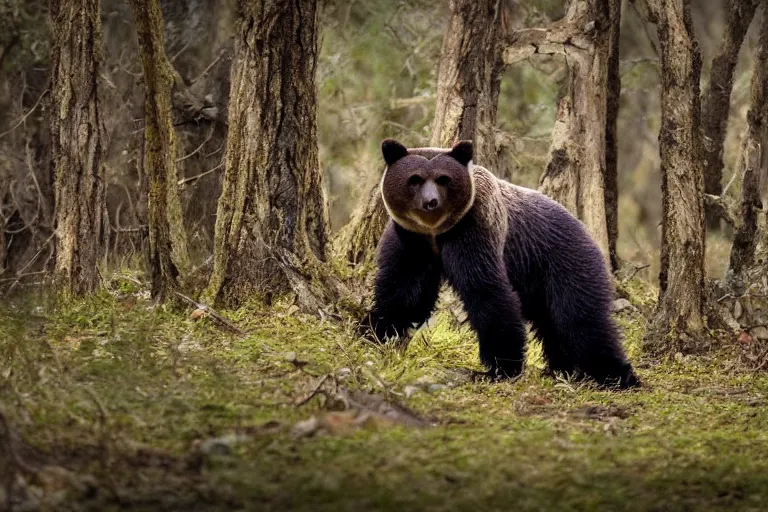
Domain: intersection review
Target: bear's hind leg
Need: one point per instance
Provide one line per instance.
(556, 354)
(603, 358)
(580, 338)
(591, 343)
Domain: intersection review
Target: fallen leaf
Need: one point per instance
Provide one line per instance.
(198, 314)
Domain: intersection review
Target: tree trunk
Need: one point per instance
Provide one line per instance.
(752, 162)
(469, 79)
(357, 241)
(613, 97)
(577, 171)
(468, 85)
(168, 257)
(681, 302)
(272, 219)
(716, 100)
(76, 132)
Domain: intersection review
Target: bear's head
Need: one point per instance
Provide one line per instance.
(427, 190)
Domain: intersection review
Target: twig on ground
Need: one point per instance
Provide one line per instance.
(212, 313)
(314, 392)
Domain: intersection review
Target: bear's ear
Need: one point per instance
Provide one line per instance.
(462, 152)
(392, 151)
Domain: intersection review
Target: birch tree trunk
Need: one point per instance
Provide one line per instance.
(168, 257)
(272, 218)
(76, 133)
(753, 162)
(679, 317)
(716, 100)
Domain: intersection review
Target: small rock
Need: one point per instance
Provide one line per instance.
(621, 305)
(290, 357)
(220, 445)
(343, 372)
(410, 391)
(679, 357)
(434, 388)
(307, 427)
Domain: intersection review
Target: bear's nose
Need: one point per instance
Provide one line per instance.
(430, 205)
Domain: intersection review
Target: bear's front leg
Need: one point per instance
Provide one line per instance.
(474, 268)
(407, 283)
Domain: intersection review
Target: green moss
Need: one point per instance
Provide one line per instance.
(693, 438)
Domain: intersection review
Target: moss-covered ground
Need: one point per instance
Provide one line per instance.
(149, 409)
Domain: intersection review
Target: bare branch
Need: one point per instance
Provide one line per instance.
(717, 206)
(25, 116)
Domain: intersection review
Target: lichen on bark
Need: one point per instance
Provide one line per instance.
(271, 226)
(679, 319)
(168, 256)
(77, 146)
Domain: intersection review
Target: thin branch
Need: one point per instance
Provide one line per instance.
(184, 181)
(25, 116)
(197, 150)
(207, 69)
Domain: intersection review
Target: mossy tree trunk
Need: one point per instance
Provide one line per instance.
(168, 256)
(78, 150)
(753, 162)
(679, 317)
(716, 100)
(357, 240)
(469, 78)
(577, 172)
(271, 226)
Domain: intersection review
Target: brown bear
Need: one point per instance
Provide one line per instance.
(511, 254)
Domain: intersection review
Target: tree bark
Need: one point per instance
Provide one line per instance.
(753, 162)
(613, 97)
(577, 172)
(168, 256)
(469, 79)
(680, 312)
(468, 83)
(716, 100)
(357, 240)
(77, 131)
(272, 218)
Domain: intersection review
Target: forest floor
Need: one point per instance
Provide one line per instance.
(149, 409)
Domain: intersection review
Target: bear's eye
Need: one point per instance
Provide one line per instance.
(443, 181)
(415, 180)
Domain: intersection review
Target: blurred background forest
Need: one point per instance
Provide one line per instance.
(377, 73)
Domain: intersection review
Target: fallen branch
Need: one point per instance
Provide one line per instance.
(212, 313)
(314, 392)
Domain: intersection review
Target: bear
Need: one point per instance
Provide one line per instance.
(510, 253)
